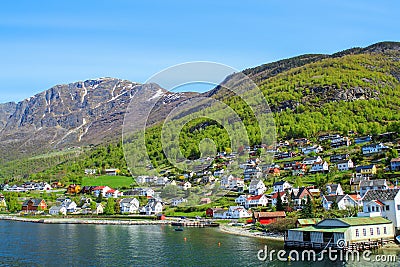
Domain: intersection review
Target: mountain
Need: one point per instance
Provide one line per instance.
(355, 89)
(78, 114)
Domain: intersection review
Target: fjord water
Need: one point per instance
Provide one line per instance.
(30, 244)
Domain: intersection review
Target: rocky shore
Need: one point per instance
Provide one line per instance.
(238, 230)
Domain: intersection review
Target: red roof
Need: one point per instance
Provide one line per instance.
(98, 188)
(254, 197)
(272, 214)
(379, 203)
(356, 197)
(112, 191)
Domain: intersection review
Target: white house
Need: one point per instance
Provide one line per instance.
(281, 186)
(343, 202)
(185, 185)
(256, 201)
(312, 160)
(129, 205)
(345, 165)
(334, 189)
(377, 184)
(176, 201)
(225, 181)
(384, 203)
(113, 193)
(219, 173)
(100, 190)
(282, 195)
(237, 212)
(152, 207)
(315, 148)
(70, 206)
(320, 167)
(236, 183)
(373, 148)
(257, 187)
(58, 210)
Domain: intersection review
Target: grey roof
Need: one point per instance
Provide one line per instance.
(311, 158)
(388, 194)
(333, 187)
(336, 198)
(36, 202)
(370, 183)
(359, 168)
(278, 183)
(127, 200)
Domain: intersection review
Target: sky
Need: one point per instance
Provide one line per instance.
(44, 43)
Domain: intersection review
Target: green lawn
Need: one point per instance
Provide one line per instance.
(116, 182)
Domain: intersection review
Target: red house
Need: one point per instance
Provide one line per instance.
(268, 217)
(210, 211)
(34, 204)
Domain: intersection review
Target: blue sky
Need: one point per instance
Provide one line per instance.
(44, 43)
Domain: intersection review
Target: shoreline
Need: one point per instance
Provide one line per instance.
(104, 221)
(245, 232)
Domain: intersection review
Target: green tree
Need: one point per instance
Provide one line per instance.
(307, 211)
(93, 206)
(109, 208)
(117, 208)
(99, 198)
(334, 205)
(279, 204)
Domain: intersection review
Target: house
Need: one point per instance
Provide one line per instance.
(395, 164)
(338, 157)
(237, 212)
(366, 171)
(236, 184)
(355, 182)
(299, 196)
(299, 169)
(281, 186)
(3, 204)
(268, 217)
(351, 230)
(252, 172)
(58, 210)
(152, 207)
(341, 141)
(210, 211)
(320, 167)
(255, 201)
(73, 189)
(343, 202)
(257, 187)
(219, 172)
(383, 203)
(307, 222)
(363, 139)
(70, 206)
(373, 148)
(284, 155)
(377, 184)
(99, 209)
(33, 205)
(129, 205)
(274, 198)
(111, 172)
(185, 185)
(301, 142)
(225, 181)
(345, 165)
(334, 189)
(205, 200)
(90, 171)
(274, 171)
(100, 190)
(177, 201)
(146, 192)
(326, 137)
(312, 160)
(242, 199)
(315, 148)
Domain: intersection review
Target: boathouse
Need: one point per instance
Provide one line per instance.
(341, 233)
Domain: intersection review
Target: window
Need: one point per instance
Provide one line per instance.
(384, 230)
(357, 233)
(387, 207)
(371, 231)
(364, 232)
(373, 208)
(398, 207)
(378, 230)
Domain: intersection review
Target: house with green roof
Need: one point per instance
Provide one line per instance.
(340, 232)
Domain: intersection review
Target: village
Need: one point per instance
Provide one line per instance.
(313, 193)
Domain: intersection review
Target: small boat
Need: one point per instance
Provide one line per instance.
(179, 229)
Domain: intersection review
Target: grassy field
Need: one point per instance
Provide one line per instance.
(116, 182)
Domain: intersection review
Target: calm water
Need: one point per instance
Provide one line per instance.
(28, 244)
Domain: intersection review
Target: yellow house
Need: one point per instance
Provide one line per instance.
(3, 204)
